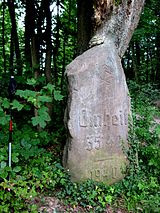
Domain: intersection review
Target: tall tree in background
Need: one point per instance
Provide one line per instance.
(157, 13)
(14, 39)
(143, 52)
(29, 29)
(85, 28)
(3, 35)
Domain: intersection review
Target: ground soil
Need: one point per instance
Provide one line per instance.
(53, 205)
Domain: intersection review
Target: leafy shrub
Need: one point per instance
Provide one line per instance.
(140, 189)
(36, 171)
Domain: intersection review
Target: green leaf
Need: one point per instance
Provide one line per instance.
(3, 173)
(50, 87)
(43, 113)
(38, 120)
(44, 98)
(17, 169)
(2, 157)
(4, 119)
(33, 100)
(15, 158)
(6, 103)
(26, 93)
(3, 164)
(17, 105)
(57, 95)
(31, 81)
(25, 144)
(108, 198)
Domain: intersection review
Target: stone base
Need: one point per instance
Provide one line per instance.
(96, 116)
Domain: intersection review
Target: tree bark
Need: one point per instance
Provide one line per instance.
(11, 7)
(48, 71)
(48, 43)
(3, 37)
(29, 29)
(116, 23)
(11, 55)
(57, 43)
(157, 75)
(85, 28)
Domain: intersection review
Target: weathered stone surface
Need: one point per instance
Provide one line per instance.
(96, 116)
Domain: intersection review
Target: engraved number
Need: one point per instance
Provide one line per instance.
(94, 142)
(97, 142)
(89, 143)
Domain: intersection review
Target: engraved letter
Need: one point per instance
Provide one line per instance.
(107, 120)
(115, 120)
(126, 118)
(98, 173)
(98, 142)
(121, 117)
(97, 120)
(114, 172)
(105, 173)
(83, 118)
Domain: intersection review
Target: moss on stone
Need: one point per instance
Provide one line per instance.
(118, 2)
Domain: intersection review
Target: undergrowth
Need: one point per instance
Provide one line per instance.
(37, 171)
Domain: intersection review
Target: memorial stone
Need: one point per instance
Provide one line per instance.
(96, 116)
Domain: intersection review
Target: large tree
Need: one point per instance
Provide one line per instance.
(98, 104)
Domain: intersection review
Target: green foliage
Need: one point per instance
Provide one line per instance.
(17, 196)
(92, 195)
(26, 182)
(33, 172)
(36, 152)
(141, 61)
(141, 186)
(36, 171)
(4, 104)
(38, 100)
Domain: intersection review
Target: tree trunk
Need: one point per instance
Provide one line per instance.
(116, 23)
(57, 43)
(48, 72)
(98, 105)
(48, 43)
(157, 76)
(11, 54)
(29, 30)
(3, 37)
(15, 36)
(35, 58)
(85, 12)
(138, 60)
(134, 62)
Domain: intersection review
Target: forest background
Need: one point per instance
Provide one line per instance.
(37, 40)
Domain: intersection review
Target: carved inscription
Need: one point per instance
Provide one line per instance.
(83, 118)
(96, 116)
(96, 120)
(87, 119)
(97, 142)
(101, 174)
(94, 142)
(106, 75)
